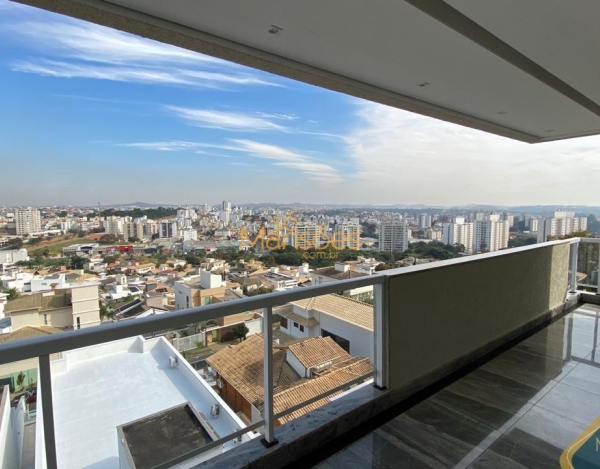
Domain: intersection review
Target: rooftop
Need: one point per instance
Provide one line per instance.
(332, 272)
(242, 366)
(28, 332)
(41, 301)
(98, 388)
(341, 307)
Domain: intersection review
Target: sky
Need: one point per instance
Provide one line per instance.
(92, 115)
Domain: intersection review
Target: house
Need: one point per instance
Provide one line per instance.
(301, 371)
(348, 322)
(69, 308)
(346, 270)
(9, 372)
(198, 291)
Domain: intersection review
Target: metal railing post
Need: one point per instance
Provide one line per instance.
(381, 344)
(573, 255)
(48, 411)
(268, 412)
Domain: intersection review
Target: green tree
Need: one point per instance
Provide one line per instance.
(106, 312)
(77, 262)
(240, 331)
(20, 380)
(13, 293)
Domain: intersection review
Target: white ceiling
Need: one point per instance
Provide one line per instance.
(383, 49)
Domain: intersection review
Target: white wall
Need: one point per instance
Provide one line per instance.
(9, 453)
(361, 340)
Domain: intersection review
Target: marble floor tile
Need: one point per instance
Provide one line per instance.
(518, 411)
(529, 368)
(519, 450)
(549, 427)
(573, 403)
(584, 377)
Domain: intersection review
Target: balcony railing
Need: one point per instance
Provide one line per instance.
(433, 313)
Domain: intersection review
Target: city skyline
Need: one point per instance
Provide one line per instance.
(95, 115)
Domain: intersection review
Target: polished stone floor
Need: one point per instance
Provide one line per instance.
(519, 410)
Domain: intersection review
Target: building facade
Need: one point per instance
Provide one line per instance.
(393, 236)
(28, 221)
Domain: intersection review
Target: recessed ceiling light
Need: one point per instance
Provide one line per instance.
(274, 29)
(424, 84)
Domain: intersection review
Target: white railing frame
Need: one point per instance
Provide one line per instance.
(43, 347)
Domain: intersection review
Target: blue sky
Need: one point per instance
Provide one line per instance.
(94, 115)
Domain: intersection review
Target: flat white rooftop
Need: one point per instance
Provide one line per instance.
(96, 389)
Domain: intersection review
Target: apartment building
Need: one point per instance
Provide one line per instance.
(458, 232)
(114, 225)
(167, 229)
(134, 230)
(346, 236)
(490, 233)
(28, 221)
(563, 223)
(393, 236)
(13, 256)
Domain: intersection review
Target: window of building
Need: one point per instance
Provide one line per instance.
(187, 301)
(296, 325)
(45, 319)
(301, 328)
(283, 323)
(78, 323)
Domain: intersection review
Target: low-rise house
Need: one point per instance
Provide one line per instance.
(301, 371)
(348, 322)
(199, 291)
(70, 308)
(343, 271)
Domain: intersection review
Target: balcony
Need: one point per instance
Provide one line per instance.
(432, 324)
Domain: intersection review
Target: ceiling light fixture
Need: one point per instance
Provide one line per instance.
(424, 84)
(274, 29)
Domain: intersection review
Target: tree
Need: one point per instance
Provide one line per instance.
(13, 293)
(20, 379)
(77, 262)
(106, 312)
(109, 238)
(240, 331)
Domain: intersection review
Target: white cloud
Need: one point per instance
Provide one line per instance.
(74, 49)
(224, 120)
(279, 156)
(406, 158)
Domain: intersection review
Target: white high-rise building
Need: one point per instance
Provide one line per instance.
(28, 221)
(346, 235)
(134, 230)
(167, 229)
(225, 217)
(393, 236)
(562, 224)
(491, 234)
(113, 225)
(425, 221)
(226, 206)
(458, 232)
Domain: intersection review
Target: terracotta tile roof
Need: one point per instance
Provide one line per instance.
(331, 272)
(38, 300)
(317, 350)
(341, 307)
(309, 388)
(28, 332)
(242, 366)
(308, 322)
